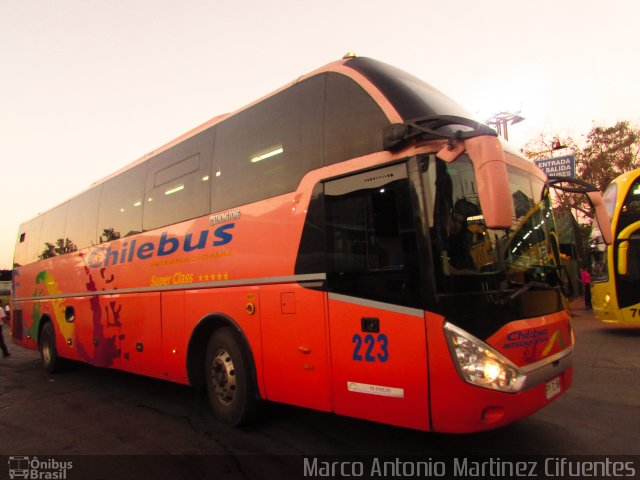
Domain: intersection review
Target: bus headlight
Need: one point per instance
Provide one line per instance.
(481, 365)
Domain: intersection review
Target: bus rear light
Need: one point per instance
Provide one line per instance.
(481, 365)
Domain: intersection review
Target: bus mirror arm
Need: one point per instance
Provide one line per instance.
(395, 135)
(594, 196)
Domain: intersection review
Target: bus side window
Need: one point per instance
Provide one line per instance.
(598, 254)
(631, 205)
(178, 184)
(353, 121)
(28, 247)
(265, 150)
(371, 237)
(53, 241)
(80, 231)
(121, 205)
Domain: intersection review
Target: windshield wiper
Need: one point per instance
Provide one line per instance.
(525, 287)
(432, 127)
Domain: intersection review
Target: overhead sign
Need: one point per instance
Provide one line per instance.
(558, 166)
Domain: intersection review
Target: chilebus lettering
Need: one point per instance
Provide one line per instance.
(526, 335)
(167, 245)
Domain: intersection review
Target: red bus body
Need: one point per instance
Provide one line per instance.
(148, 302)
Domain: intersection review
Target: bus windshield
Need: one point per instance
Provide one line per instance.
(469, 257)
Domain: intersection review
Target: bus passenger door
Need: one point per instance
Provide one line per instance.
(377, 337)
(379, 362)
(294, 346)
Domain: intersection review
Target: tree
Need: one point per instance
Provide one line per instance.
(62, 246)
(109, 234)
(609, 152)
(606, 153)
(48, 252)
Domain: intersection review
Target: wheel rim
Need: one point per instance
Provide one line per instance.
(223, 377)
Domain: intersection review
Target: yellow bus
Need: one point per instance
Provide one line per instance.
(615, 269)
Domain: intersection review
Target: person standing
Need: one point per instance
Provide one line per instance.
(3, 319)
(585, 279)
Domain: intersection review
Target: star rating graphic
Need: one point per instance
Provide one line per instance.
(213, 277)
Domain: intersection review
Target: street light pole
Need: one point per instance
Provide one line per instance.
(501, 120)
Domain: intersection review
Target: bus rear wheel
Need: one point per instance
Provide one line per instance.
(230, 384)
(48, 352)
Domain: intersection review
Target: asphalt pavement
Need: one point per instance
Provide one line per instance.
(90, 411)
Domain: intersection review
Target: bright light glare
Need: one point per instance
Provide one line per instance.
(174, 190)
(492, 371)
(523, 91)
(270, 154)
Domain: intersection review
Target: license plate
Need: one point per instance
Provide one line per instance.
(553, 388)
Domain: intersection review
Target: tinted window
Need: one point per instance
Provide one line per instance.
(631, 204)
(371, 238)
(629, 215)
(28, 242)
(599, 262)
(178, 183)
(265, 150)
(121, 204)
(630, 210)
(52, 237)
(82, 218)
(353, 122)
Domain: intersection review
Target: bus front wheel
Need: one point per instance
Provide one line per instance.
(231, 387)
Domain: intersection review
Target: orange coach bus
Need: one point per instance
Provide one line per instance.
(352, 243)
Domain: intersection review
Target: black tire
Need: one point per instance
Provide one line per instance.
(231, 385)
(51, 362)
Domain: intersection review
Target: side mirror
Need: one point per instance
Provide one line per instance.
(604, 222)
(490, 168)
